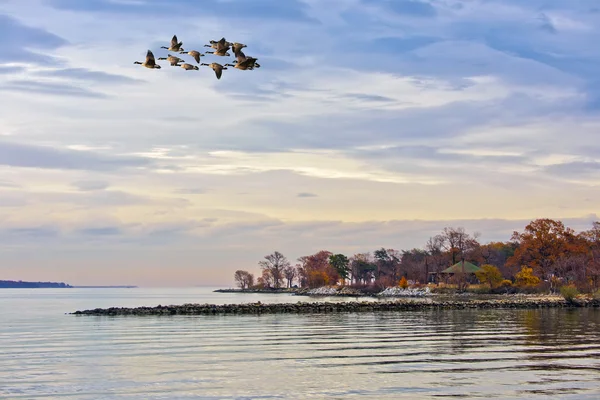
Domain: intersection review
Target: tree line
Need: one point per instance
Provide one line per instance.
(545, 251)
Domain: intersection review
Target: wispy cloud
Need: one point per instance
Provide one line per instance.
(88, 186)
(306, 194)
(34, 156)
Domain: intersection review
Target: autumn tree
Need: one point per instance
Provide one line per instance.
(497, 253)
(273, 265)
(592, 271)
(414, 264)
(542, 244)
(525, 277)
(290, 274)
(316, 270)
(265, 280)
(489, 274)
(340, 263)
(244, 279)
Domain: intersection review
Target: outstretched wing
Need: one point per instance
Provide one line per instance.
(196, 56)
(150, 58)
(218, 70)
(222, 45)
(174, 41)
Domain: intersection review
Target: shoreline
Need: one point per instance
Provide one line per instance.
(340, 307)
(343, 291)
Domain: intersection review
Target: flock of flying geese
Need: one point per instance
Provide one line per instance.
(220, 48)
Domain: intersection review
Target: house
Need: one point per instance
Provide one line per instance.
(468, 268)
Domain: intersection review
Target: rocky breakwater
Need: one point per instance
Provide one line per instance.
(341, 307)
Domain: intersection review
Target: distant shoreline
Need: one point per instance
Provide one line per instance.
(33, 285)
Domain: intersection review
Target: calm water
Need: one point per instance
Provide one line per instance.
(415, 355)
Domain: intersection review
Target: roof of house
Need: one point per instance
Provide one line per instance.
(457, 268)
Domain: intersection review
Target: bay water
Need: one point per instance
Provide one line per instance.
(505, 354)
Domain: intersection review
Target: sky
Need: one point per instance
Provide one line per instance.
(371, 123)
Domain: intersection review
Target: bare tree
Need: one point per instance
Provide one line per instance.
(244, 279)
(274, 264)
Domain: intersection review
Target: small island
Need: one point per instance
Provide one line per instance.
(32, 285)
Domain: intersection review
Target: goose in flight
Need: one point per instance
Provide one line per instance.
(172, 59)
(150, 61)
(175, 45)
(188, 67)
(193, 53)
(249, 62)
(218, 68)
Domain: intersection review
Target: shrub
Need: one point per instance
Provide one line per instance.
(506, 283)
(525, 277)
(403, 283)
(569, 292)
(596, 295)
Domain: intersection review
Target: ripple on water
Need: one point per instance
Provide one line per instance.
(420, 354)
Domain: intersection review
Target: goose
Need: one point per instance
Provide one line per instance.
(188, 67)
(237, 47)
(214, 43)
(220, 52)
(172, 59)
(193, 53)
(174, 45)
(150, 62)
(241, 57)
(221, 45)
(218, 68)
(248, 64)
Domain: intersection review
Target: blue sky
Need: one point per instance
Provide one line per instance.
(370, 123)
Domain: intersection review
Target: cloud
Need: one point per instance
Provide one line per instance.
(575, 169)
(34, 156)
(87, 186)
(263, 9)
(28, 38)
(192, 191)
(8, 184)
(10, 69)
(415, 8)
(51, 88)
(306, 194)
(104, 231)
(88, 75)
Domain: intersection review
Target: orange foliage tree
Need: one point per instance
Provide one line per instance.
(316, 270)
(542, 244)
(403, 283)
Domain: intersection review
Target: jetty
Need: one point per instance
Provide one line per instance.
(338, 307)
